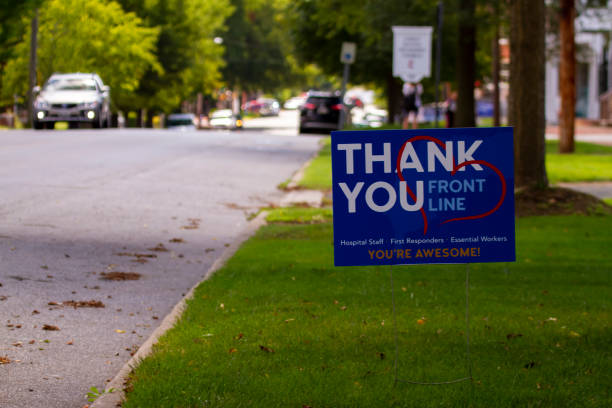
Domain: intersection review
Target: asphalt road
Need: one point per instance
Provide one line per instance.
(79, 207)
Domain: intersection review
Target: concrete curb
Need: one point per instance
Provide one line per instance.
(114, 399)
(300, 173)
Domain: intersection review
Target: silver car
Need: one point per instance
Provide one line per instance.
(73, 98)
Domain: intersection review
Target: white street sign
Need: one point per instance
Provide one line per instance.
(412, 52)
(347, 55)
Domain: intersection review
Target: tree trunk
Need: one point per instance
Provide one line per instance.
(149, 120)
(466, 65)
(567, 76)
(496, 69)
(33, 67)
(394, 97)
(139, 121)
(527, 82)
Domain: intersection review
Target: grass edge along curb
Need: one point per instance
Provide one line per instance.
(111, 399)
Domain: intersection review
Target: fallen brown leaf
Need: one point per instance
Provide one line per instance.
(50, 327)
(194, 223)
(4, 360)
(177, 241)
(83, 303)
(136, 255)
(233, 350)
(120, 276)
(266, 349)
(159, 248)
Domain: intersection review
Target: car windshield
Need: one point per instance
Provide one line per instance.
(71, 84)
(327, 100)
(180, 121)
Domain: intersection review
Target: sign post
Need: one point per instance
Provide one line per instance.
(347, 57)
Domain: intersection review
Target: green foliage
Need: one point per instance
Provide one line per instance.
(256, 47)
(12, 29)
(320, 27)
(87, 36)
(299, 215)
(186, 51)
(317, 176)
(94, 393)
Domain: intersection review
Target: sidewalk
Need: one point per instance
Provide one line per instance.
(584, 132)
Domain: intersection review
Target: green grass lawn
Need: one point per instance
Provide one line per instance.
(590, 162)
(279, 326)
(318, 175)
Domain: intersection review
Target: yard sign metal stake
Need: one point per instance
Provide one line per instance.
(467, 336)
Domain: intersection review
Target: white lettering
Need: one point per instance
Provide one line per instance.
(434, 152)
(349, 148)
(351, 196)
(463, 155)
(370, 199)
(404, 199)
(371, 158)
(415, 163)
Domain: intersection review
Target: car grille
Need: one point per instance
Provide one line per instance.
(63, 105)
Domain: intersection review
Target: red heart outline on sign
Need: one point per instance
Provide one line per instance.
(455, 169)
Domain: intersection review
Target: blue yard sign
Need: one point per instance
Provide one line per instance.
(423, 196)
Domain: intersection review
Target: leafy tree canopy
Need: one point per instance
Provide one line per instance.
(186, 51)
(87, 36)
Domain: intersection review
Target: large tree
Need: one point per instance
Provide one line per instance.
(320, 27)
(257, 47)
(190, 59)
(87, 36)
(527, 81)
(567, 76)
(466, 64)
(13, 25)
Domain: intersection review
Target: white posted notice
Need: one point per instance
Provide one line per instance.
(411, 52)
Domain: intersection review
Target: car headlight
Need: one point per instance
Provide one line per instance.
(90, 105)
(40, 104)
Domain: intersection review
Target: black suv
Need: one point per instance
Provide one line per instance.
(321, 112)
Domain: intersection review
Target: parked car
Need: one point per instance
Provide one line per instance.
(225, 119)
(269, 107)
(74, 98)
(181, 121)
(262, 106)
(369, 116)
(321, 112)
(295, 102)
(252, 106)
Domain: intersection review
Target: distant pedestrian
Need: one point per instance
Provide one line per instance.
(412, 102)
(451, 107)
